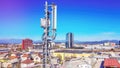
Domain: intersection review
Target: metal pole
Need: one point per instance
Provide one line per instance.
(46, 35)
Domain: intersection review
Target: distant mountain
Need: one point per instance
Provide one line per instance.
(18, 41)
(60, 41)
(10, 41)
(15, 41)
(38, 41)
(98, 42)
(89, 42)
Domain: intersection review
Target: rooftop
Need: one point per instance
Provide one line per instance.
(111, 62)
(27, 61)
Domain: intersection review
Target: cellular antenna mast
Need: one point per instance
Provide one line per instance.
(48, 23)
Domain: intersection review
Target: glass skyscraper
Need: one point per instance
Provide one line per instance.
(69, 40)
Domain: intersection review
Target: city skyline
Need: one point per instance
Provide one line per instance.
(88, 20)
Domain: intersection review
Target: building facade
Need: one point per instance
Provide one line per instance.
(69, 40)
(26, 43)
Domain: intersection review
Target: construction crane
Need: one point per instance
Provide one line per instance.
(48, 23)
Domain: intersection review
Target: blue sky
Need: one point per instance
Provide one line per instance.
(89, 20)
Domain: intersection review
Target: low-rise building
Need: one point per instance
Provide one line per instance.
(27, 63)
(37, 59)
(24, 57)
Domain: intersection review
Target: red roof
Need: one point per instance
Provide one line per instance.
(111, 63)
(25, 55)
(13, 57)
(27, 61)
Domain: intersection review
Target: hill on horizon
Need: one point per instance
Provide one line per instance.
(18, 41)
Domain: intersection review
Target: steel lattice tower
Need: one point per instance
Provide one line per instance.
(49, 31)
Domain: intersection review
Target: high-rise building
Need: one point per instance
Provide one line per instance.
(69, 40)
(119, 44)
(26, 43)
